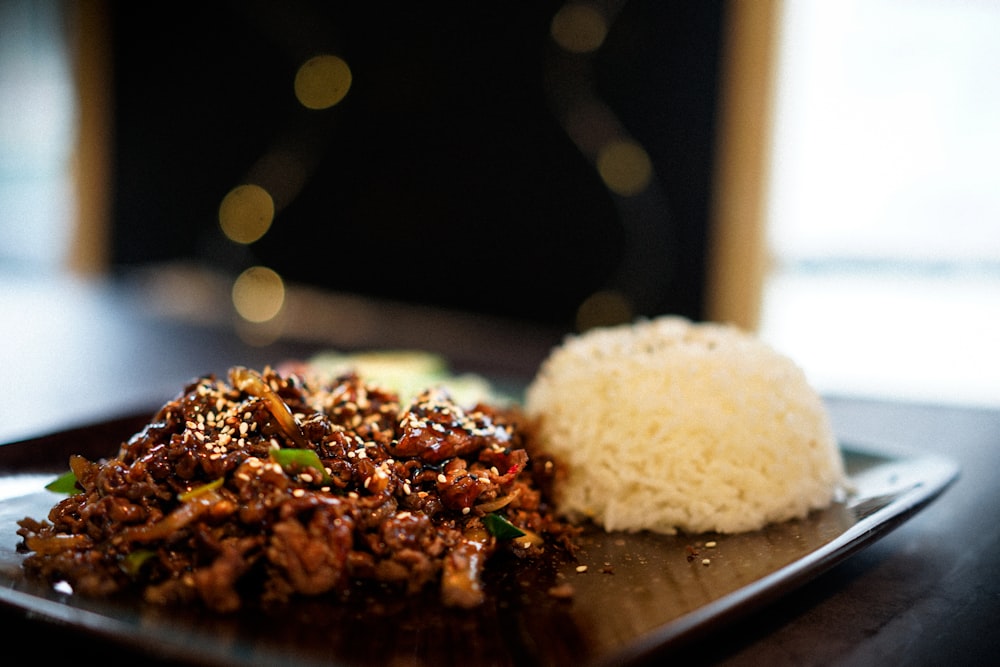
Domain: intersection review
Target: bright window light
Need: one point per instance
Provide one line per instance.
(884, 208)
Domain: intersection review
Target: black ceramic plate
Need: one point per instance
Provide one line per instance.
(638, 593)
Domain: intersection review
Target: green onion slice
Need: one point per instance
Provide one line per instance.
(290, 459)
(501, 528)
(134, 561)
(199, 490)
(64, 483)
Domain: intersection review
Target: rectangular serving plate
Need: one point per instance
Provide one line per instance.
(633, 593)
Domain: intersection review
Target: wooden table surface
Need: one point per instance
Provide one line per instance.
(928, 593)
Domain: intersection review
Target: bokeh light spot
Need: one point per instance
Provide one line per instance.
(246, 213)
(322, 82)
(258, 294)
(604, 308)
(624, 167)
(579, 28)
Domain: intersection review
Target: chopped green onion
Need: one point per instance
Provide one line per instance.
(198, 490)
(290, 459)
(501, 528)
(64, 483)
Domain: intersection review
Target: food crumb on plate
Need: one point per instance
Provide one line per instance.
(563, 591)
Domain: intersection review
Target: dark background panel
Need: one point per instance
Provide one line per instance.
(443, 177)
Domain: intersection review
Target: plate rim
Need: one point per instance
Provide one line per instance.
(936, 474)
(863, 533)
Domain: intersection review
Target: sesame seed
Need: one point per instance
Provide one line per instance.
(710, 545)
(442, 479)
(705, 561)
(581, 568)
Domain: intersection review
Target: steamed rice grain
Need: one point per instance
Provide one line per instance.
(667, 425)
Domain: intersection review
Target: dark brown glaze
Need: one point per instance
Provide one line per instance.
(263, 487)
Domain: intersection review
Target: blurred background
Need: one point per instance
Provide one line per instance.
(823, 174)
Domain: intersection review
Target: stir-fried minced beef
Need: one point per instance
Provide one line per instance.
(271, 486)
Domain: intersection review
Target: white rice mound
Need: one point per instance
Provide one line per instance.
(667, 425)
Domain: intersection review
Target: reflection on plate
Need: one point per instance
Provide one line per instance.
(637, 593)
